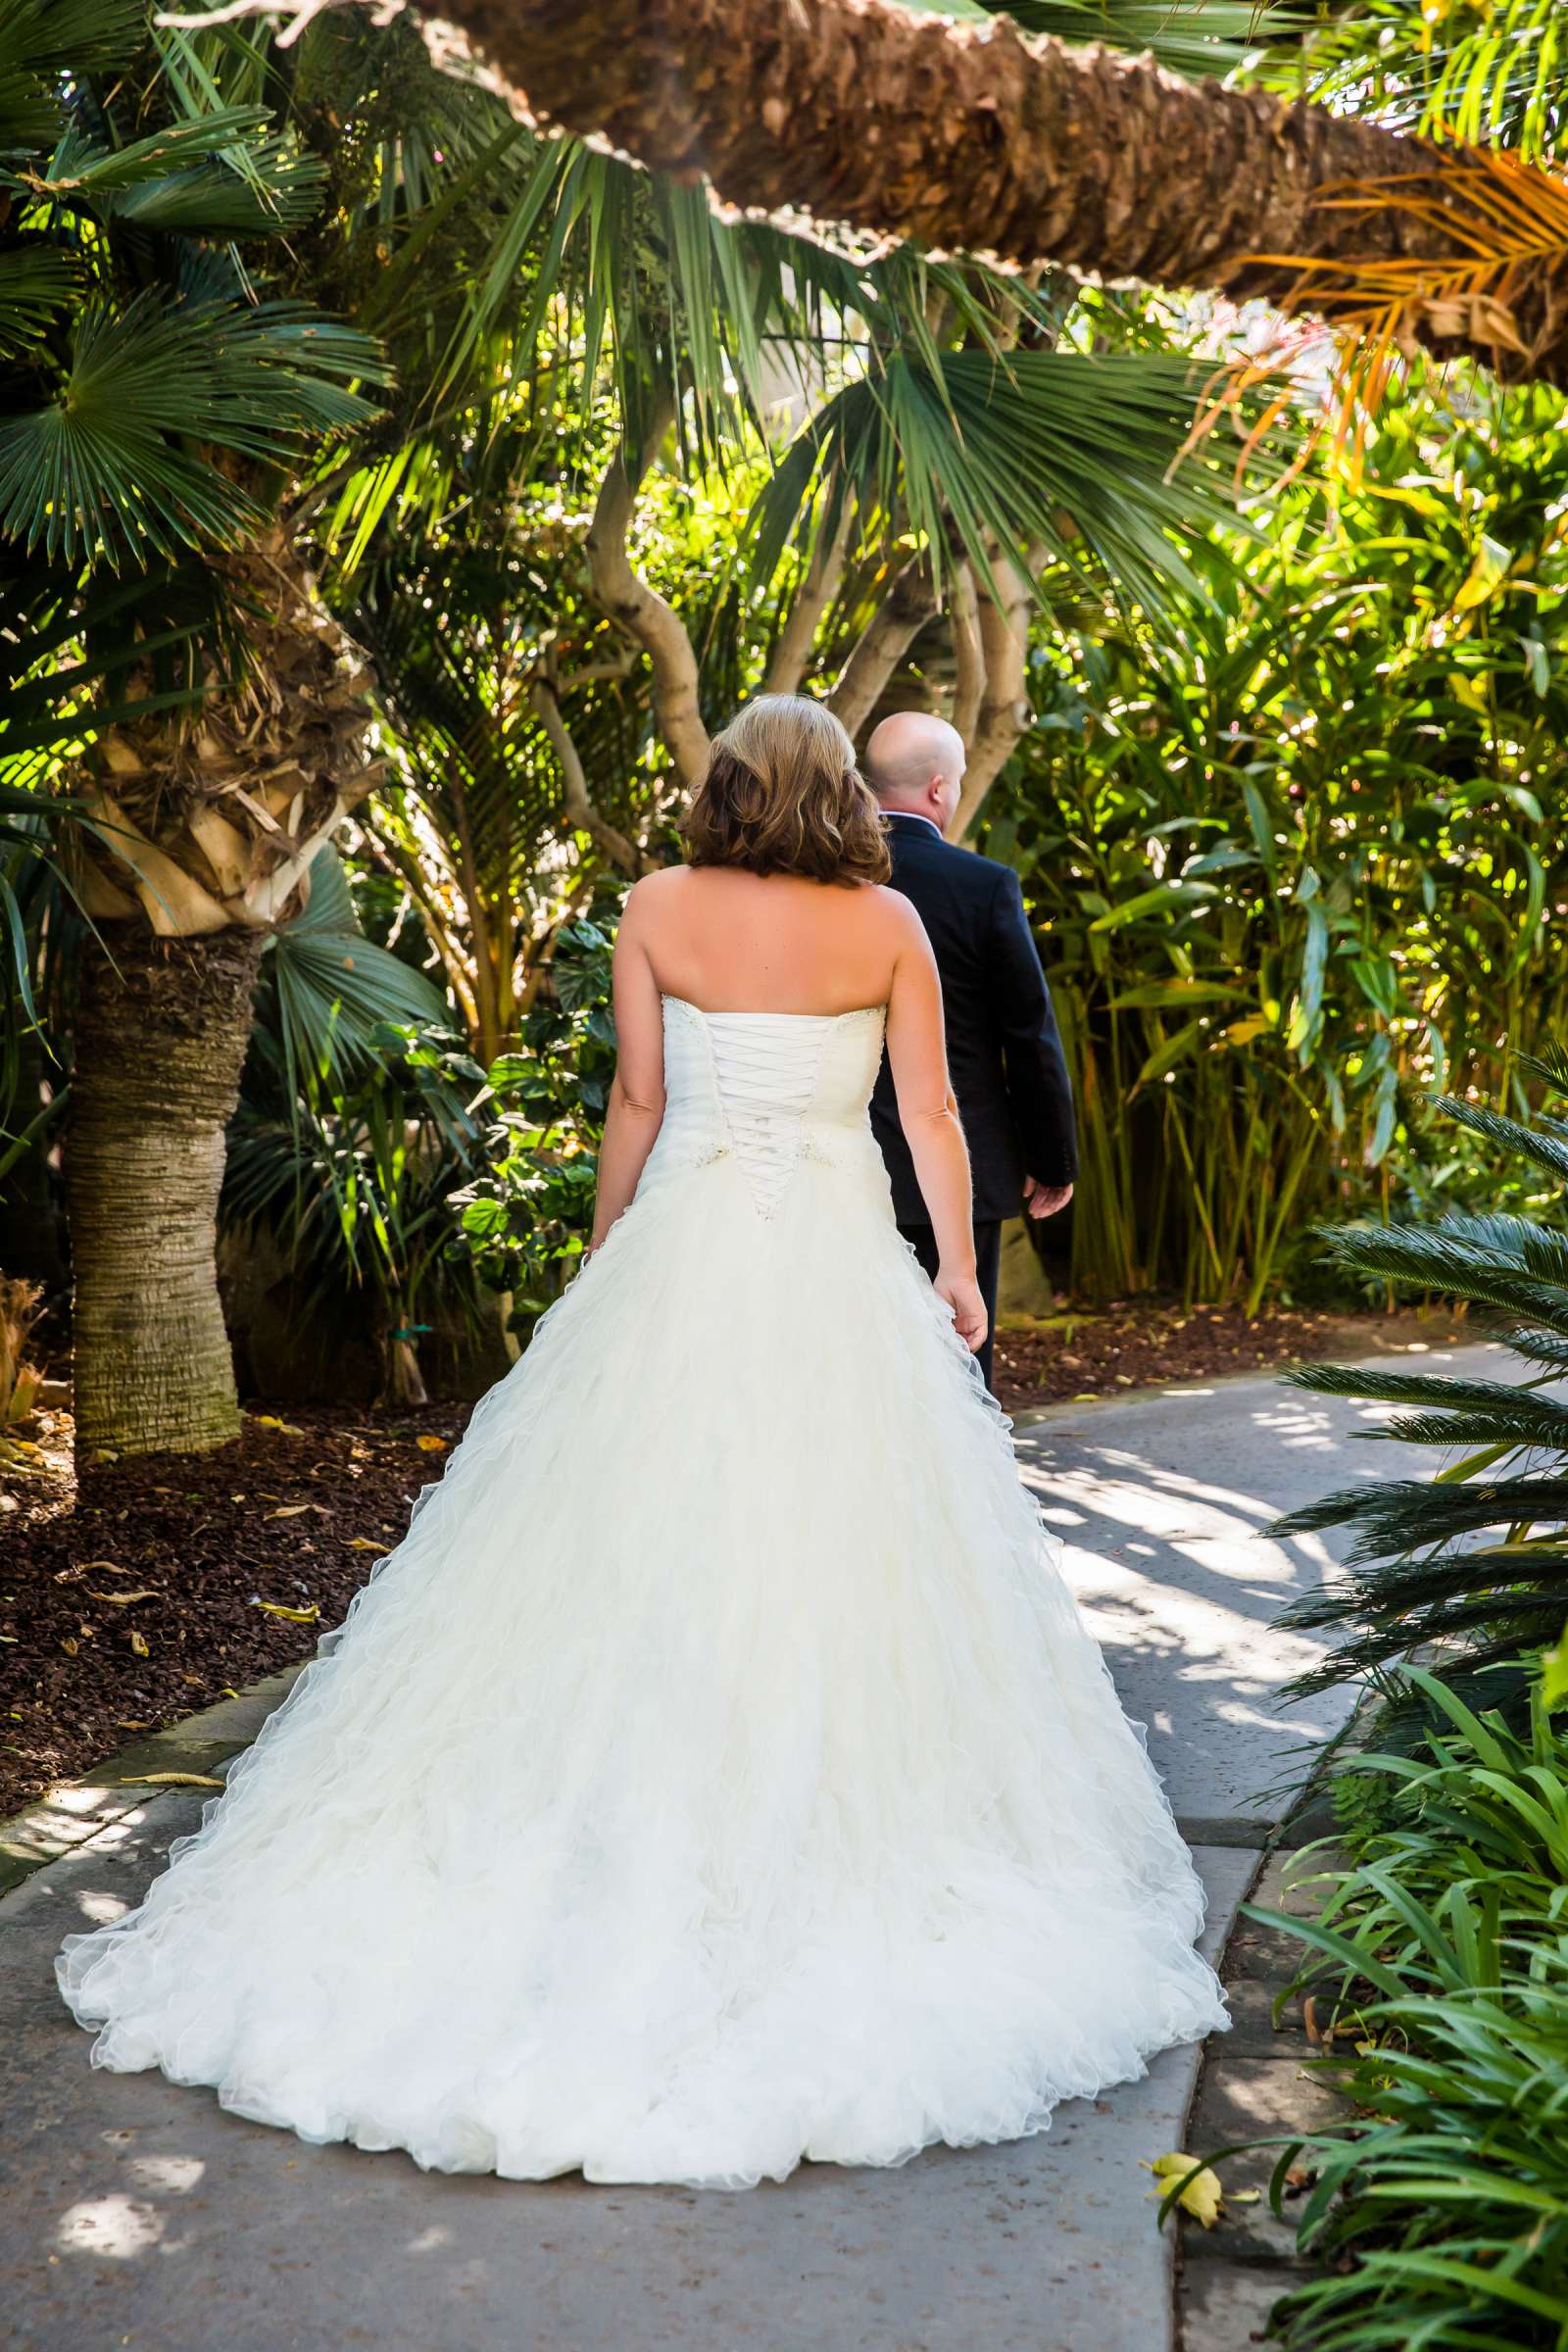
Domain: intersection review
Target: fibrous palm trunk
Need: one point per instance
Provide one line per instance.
(208, 826)
(161, 1034)
(970, 136)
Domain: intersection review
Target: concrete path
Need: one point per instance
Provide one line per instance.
(136, 2214)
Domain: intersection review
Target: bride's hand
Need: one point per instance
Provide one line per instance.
(961, 1293)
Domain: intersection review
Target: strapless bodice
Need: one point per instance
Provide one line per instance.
(767, 1090)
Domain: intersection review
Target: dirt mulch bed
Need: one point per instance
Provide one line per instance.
(154, 1587)
(1134, 1343)
(159, 1586)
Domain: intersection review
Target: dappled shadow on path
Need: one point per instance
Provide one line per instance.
(1162, 1505)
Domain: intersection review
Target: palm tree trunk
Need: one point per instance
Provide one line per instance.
(969, 136)
(161, 1034)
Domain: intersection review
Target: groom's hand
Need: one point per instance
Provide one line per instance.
(1044, 1200)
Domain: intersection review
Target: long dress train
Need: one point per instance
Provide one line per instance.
(718, 1773)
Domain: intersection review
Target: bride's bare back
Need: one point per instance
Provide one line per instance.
(783, 911)
(729, 941)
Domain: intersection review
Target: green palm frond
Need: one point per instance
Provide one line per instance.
(1193, 37)
(1545, 1142)
(40, 40)
(36, 282)
(1189, 36)
(336, 991)
(111, 467)
(1488, 71)
(262, 188)
(1405, 1514)
(1035, 446)
(1463, 1258)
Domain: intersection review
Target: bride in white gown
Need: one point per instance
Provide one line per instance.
(718, 1773)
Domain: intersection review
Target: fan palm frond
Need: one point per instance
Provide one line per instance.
(112, 466)
(40, 40)
(1193, 37)
(1187, 36)
(337, 992)
(36, 284)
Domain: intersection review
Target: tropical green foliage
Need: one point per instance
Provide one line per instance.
(1294, 857)
(1483, 71)
(393, 1169)
(149, 376)
(328, 993)
(527, 1216)
(1439, 2209)
(355, 1179)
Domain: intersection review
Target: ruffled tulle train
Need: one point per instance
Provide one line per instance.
(718, 1773)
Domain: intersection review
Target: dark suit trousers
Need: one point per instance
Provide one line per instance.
(987, 1268)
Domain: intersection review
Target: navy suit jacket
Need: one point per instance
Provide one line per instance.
(1003, 1051)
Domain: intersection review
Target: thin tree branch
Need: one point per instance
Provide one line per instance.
(898, 621)
(1005, 710)
(815, 593)
(640, 610)
(612, 844)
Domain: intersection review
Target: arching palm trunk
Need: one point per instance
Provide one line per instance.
(970, 136)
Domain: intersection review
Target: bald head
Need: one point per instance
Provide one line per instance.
(909, 749)
(915, 761)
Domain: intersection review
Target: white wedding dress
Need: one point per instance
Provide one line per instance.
(718, 1773)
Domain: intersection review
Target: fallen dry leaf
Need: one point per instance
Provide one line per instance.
(428, 1445)
(170, 1780)
(122, 1600)
(277, 1608)
(138, 1642)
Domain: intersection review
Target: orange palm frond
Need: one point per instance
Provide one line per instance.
(1497, 227)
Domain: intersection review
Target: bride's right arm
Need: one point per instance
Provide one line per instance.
(637, 1093)
(928, 1112)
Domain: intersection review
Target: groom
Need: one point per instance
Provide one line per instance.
(1004, 1052)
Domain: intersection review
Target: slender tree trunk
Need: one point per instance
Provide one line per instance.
(1004, 709)
(973, 137)
(160, 1041)
(893, 628)
(645, 616)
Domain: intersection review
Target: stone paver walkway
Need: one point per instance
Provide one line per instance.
(136, 2214)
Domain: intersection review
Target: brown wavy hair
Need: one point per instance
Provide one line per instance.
(783, 795)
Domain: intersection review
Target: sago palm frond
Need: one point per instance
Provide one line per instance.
(1414, 1575)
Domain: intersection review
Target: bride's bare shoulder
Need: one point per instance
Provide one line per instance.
(892, 915)
(651, 897)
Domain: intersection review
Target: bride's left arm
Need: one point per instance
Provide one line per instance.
(637, 1093)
